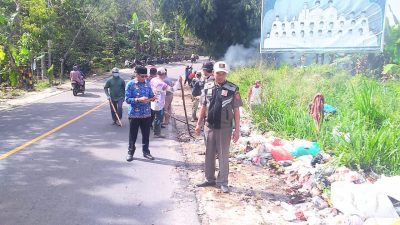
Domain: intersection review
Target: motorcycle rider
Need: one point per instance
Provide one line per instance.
(76, 76)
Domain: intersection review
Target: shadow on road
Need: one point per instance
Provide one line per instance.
(89, 95)
(78, 175)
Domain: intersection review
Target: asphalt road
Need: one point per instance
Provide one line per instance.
(78, 174)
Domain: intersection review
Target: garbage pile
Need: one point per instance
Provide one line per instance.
(318, 191)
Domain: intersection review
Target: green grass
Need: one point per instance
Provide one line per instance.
(367, 109)
(41, 85)
(11, 93)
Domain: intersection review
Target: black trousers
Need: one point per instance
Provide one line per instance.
(144, 125)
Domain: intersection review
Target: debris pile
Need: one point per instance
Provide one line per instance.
(319, 192)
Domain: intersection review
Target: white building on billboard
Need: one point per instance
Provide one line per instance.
(322, 28)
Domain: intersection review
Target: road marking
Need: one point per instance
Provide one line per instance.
(31, 142)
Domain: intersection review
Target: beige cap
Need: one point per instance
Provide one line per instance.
(221, 66)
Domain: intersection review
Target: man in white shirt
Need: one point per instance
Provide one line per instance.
(159, 88)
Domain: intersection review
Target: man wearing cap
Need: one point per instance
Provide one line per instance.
(115, 91)
(222, 100)
(159, 89)
(208, 71)
(138, 94)
(198, 85)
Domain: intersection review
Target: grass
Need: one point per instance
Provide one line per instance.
(368, 110)
(40, 85)
(7, 93)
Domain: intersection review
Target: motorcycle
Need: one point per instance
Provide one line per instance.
(77, 88)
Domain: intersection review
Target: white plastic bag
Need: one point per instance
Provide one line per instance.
(365, 200)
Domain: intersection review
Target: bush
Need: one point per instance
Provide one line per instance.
(367, 109)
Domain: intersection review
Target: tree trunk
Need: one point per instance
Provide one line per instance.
(43, 66)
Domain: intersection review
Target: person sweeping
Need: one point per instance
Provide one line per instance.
(115, 91)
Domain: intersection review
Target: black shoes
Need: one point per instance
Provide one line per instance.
(224, 188)
(129, 158)
(206, 184)
(148, 156)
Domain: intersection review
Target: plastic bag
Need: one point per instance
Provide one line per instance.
(280, 154)
(313, 150)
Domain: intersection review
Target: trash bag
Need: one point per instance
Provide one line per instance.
(365, 200)
(313, 150)
(382, 221)
(277, 142)
(329, 109)
(390, 186)
(280, 154)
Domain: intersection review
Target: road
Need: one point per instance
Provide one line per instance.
(77, 174)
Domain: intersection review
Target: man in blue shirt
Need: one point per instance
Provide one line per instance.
(138, 95)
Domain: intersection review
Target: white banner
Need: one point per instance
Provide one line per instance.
(322, 25)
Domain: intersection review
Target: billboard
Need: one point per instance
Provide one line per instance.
(322, 25)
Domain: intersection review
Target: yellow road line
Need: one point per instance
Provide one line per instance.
(26, 144)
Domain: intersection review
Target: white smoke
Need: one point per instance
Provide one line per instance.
(237, 55)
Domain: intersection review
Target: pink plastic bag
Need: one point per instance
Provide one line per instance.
(277, 142)
(281, 154)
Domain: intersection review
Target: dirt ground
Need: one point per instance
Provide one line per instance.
(257, 196)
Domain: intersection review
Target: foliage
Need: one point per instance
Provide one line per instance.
(367, 109)
(80, 31)
(13, 76)
(41, 85)
(219, 24)
(392, 70)
(392, 44)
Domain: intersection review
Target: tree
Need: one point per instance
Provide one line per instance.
(219, 24)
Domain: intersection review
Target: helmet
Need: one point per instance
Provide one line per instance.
(115, 70)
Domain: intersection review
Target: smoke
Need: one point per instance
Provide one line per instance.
(237, 55)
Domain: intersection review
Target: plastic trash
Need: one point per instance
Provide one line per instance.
(319, 203)
(253, 153)
(340, 135)
(300, 215)
(248, 147)
(280, 154)
(318, 159)
(382, 221)
(345, 220)
(245, 130)
(313, 150)
(365, 200)
(285, 163)
(329, 109)
(345, 174)
(390, 186)
(277, 142)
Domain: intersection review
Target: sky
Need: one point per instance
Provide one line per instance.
(396, 9)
